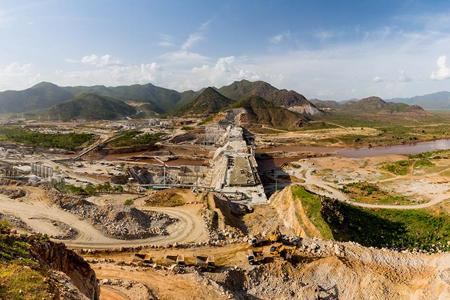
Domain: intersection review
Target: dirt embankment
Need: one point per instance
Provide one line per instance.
(293, 215)
(331, 270)
(57, 257)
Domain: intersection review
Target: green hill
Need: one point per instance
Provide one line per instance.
(39, 96)
(438, 101)
(91, 107)
(208, 102)
(263, 112)
(289, 99)
(378, 105)
(161, 100)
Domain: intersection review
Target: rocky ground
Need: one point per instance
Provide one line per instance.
(330, 270)
(13, 193)
(117, 221)
(16, 222)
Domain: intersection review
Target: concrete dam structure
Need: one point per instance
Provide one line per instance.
(234, 169)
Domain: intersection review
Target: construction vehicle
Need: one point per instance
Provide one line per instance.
(255, 257)
(143, 259)
(251, 258)
(211, 263)
(274, 249)
(206, 263)
(180, 260)
(280, 250)
(274, 236)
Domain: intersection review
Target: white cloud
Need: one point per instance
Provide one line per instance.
(443, 72)
(224, 71)
(195, 37)
(99, 61)
(18, 76)
(403, 77)
(192, 40)
(279, 38)
(377, 79)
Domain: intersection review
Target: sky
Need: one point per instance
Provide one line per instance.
(322, 49)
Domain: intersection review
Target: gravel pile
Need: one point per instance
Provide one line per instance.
(119, 221)
(13, 194)
(15, 222)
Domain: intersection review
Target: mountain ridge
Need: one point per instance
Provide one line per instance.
(89, 106)
(163, 100)
(209, 101)
(437, 100)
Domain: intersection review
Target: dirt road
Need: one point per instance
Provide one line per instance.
(36, 214)
(316, 184)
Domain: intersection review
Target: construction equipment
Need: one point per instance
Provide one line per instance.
(274, 249)
(206, 263)
(274, 236)
(251, 258)
(255, 257)
(180, 260)
(281, 250)
(143, 259)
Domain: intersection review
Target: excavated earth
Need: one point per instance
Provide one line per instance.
(117, 221)
(331, 270)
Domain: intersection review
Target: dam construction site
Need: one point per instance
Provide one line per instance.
(170, 173)
(213, 211)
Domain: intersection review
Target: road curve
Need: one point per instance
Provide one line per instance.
(189, 228)
(322, 188)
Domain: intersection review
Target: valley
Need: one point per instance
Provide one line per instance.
(229, 196)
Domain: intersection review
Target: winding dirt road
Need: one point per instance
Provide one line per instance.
(316, 184)
(189, 228)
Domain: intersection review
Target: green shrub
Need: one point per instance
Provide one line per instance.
(67, 141)
(129, 202)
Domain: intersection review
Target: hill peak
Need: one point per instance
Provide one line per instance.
(44, 84)
(209, 101)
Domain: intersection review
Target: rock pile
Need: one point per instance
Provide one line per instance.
(117, 221)
(16, 222)
(13, 194)
(133, 289)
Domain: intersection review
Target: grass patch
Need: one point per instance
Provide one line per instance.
(135, 138)
(166, 200)
(400, 167)
(128, 202)
(398, 229)
(20, 276)
(438, 154)
(206, 120)
(89, 190)
(394, 129)
(19, 282)
(423, 163)
(67, 141)
(315, 125)
(366, 192)
(312, 205)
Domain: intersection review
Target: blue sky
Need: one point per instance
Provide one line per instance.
(325, 49)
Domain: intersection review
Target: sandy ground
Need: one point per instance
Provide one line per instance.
(325, 175)
(166, 284)
(311, 137)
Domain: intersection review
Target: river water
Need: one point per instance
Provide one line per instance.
(352, 152)
(396, 149)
